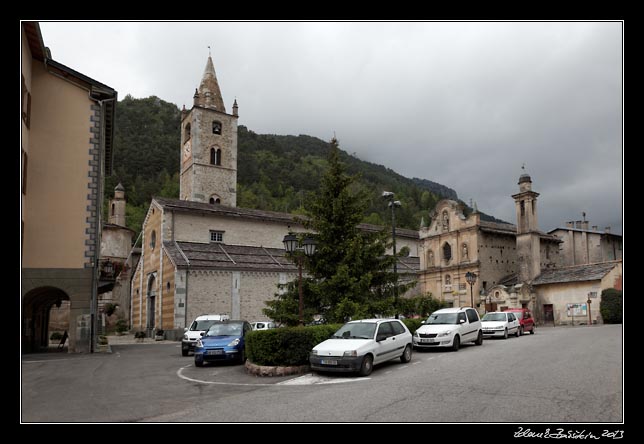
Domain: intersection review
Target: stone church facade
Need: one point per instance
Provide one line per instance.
(201, 253)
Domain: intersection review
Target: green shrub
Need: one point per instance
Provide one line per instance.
(610, 306)
(121, 325)
(287, 345)
(102, 340)
(140, 335)
(413, 324)
(56, 336)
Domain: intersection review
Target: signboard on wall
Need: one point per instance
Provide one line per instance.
(576, 310)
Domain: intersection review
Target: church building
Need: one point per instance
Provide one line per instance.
(201, 253)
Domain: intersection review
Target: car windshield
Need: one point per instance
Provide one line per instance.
(356, 330)
(201, 325)
(225, 329)
(493, 317)
(442, 318)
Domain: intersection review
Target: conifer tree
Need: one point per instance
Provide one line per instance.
(349, 275)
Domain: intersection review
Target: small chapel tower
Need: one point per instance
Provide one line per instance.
(209, 146)
(117, 206)
(528, 237)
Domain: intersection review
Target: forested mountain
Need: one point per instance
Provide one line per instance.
(274, 172)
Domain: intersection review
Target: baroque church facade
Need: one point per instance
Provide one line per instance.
(201, 253)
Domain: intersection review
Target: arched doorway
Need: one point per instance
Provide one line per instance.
(36, 308)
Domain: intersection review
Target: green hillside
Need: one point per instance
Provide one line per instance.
(274, 172)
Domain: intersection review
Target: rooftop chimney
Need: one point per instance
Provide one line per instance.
(570, 224)
(578, 224)
(584, 225)
(595, 228)
(607, 229)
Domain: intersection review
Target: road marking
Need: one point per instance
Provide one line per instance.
(180, 374)
(308, 379)
(311, 379)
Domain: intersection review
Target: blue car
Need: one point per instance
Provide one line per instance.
(224, 341)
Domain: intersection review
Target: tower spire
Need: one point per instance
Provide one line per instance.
(208, 94)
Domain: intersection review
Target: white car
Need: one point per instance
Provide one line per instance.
(500, 324)
(359, 345)
(197, 329)
(262, 325)
(449, 327)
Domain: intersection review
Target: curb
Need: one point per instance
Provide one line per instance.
(268, 370)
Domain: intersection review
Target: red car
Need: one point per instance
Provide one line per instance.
(525, 318)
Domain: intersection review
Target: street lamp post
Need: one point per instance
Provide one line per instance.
(471, 278)
(388, 195)
(307, 249)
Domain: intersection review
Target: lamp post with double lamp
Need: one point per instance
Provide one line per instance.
(389, 196)
(471, 278)
(291, 244)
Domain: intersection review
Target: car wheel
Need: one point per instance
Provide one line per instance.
(532, 331)
(242, 356)
(367, 366)
(198, 363)
(520, 331)
(457, 343)
(479, 339)
(406, 355)
(505, 334)
(516, 333)
(184, 352)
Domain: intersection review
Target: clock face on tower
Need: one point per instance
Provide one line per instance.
(186, 150)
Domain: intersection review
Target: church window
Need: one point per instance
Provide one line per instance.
(216, 127)
(112, 209)
(153, 239)
(215, 200)
(448, 279)
(522, 208)
(187, 132)
(447, 252)
(216, 236)
(215, 156)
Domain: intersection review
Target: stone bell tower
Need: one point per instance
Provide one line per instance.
(528, 236)
(117, 206)
(209, 146)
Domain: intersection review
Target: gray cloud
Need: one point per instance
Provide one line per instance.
(463, 104)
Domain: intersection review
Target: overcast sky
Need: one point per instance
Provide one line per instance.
(465, 104)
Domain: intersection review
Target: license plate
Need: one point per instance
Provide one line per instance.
(426, 340)
(329, 362)
(215, 352)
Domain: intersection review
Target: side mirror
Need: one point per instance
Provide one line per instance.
(185, 328)
(202, 333)
(380, 338)
(422, 322)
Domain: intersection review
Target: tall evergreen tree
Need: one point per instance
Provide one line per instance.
(349, 275)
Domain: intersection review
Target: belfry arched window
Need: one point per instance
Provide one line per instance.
(215, 156)
(187, 132)
(216, 127)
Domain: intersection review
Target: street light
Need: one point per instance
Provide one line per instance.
(388, 195)
(471, 278)
(291, 244)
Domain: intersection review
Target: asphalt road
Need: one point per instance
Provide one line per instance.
(562, 374)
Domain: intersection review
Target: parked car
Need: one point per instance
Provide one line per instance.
(224, 341)
(262, 325)
(497, 323)
(197, 329)
(449, 327)
(358, 345)
(525, 318)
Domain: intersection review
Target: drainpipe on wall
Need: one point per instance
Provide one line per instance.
(93, 307)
